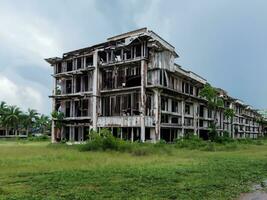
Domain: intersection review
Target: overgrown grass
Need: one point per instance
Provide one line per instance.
(37, 170)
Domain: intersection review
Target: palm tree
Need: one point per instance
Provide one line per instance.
(11, 118)
(43, 122)
(58, 118)
(29, 118)
(3, 107)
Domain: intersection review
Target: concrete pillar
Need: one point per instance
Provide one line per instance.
(143, 98)
(95, 90)
(183, 105)
(121, 134)
(195, 118)
(157, 113)
(152, 135)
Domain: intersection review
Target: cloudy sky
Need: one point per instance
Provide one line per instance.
(224, 41)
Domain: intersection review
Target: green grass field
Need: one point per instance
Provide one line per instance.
(37, 170)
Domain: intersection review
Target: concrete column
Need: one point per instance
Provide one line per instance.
(157, 113)
(121, 133)
(95, 90)
(183, 104)
(195, 118)
(143, 98)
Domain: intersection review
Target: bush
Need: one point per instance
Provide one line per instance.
(39, 138)
(191, 143)
(103, 140)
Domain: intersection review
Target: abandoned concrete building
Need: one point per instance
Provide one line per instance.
(131, 85)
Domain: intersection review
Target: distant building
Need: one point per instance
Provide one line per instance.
(131, 85)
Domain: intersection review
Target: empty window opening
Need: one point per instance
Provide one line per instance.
(78, 84)
(164, 103)
(79, 63)
(69, 65)
(118, 55)
(89, 61)
(102, 56)
(68, 86)
(127, 54)
(187, 109)
(201, 111)
(174, 106)
(67, 110)
(59, 68)
(164, 118)
(191, 89)
(138, 50)
(85, 82)
(133, 76)
(175, 120)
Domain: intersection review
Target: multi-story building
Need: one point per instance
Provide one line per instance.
(131, 85)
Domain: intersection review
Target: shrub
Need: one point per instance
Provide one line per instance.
(191, 143)
(39, 138)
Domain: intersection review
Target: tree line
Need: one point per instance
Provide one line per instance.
(15, 121)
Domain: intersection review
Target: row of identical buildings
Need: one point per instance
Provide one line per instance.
(131, 85)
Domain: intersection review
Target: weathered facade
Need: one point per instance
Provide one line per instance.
(131, 84)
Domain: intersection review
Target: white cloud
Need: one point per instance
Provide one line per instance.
(23, 96)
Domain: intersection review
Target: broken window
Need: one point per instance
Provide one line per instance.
(69, 65)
